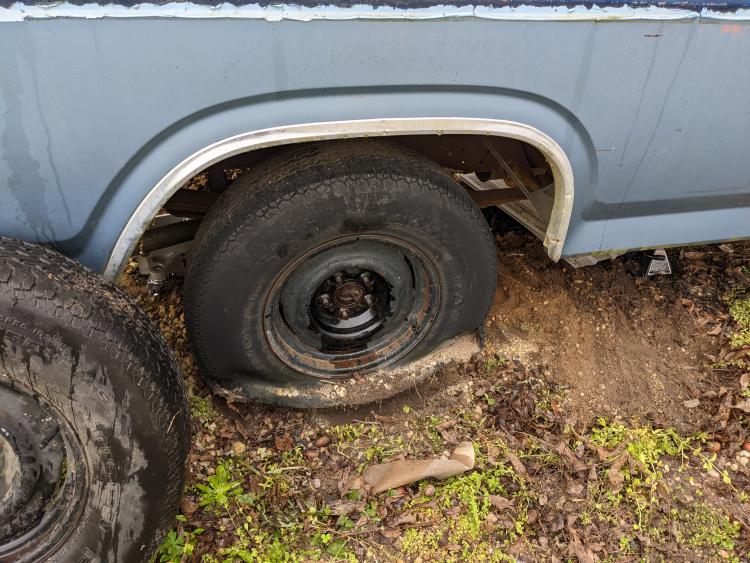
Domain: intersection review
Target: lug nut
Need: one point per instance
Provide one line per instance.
(324, 299)
(339, 278)
(343, 313)
(370, 300)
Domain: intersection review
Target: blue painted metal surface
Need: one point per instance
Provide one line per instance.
(653, 115)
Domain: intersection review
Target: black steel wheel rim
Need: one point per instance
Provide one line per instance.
(351, 305)
(42, 475)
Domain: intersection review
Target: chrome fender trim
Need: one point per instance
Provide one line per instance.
(263, 138)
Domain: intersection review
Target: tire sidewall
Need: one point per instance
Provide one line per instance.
(116, 432)
(96, 363)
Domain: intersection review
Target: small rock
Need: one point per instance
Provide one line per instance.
(188, 507)
(713, 447)
(743, 461)
(322, 442)
(691, 404)
(746, 446)
(575, 489)
(713, 473)
(429, 490)
(238, 448)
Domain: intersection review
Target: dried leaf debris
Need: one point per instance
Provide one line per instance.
(633, 446)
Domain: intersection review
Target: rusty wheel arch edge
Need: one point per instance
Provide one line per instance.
(331, 130)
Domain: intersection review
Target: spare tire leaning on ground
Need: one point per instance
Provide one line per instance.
(94, 426)
(332, 260)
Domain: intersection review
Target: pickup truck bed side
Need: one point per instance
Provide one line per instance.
(648, 104)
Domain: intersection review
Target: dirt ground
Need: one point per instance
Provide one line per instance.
(621, 344)
(608, 412)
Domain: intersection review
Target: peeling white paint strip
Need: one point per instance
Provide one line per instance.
(743, 14)
(20, 12)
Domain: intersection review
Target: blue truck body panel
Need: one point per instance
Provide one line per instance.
(652, 113)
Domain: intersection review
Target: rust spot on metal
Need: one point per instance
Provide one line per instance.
(489, 198)
(733, 29)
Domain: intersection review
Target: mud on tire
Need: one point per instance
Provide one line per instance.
(95, 427)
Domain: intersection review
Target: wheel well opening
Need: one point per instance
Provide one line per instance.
(497, 172)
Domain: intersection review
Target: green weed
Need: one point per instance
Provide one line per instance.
(739, 309)
(202, 409)
(177, 547)
(702, 526)
(219, 490)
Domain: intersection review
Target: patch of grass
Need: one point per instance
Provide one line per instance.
(634, 487)
(634, 472)
(739, 309)
(279, 478)
(202, 409)
(348, 433)
(433, 434)
(646, 445)
(461, 522)
(384, 448)
(702, 526)
(252, 509)
(607, 434)
(495, 363)
(366, 444)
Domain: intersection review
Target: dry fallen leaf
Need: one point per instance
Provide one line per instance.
(583, 553)
(283, 443)
(516, 463)
(615, 476)
(500, 503)
(692, 255)
(570, 457)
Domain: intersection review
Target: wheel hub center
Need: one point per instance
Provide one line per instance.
(349, 294)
